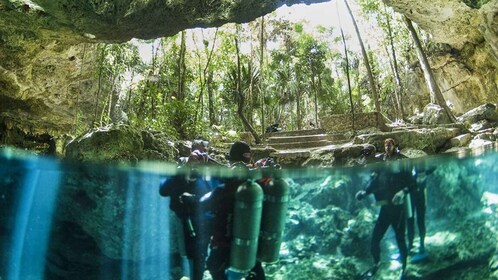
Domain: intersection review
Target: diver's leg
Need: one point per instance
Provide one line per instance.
(380, 228)
(398, 224)
(421, 208)
(180, 240)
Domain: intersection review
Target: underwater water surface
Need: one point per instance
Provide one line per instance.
(66, 220)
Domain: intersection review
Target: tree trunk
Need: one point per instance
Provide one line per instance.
(203, 80)
(371, 80)
(315, 98)
(349, 80)
(399, 91)
(261, 65)
(154, 81)
(182, 67)
(394, 97)
(212, 116)
(298, 110)
(240, 105)
(434, 90)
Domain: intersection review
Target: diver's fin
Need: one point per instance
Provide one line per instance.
(396, 256)
(369, 274)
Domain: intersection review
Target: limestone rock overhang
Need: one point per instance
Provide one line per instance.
(122, 20)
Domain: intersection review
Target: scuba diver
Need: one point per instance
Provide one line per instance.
(239, 219)
(418, 202)
(221, 202)
(391, 152)
(389, 189)
(184, 190)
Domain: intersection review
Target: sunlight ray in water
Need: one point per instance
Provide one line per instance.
(145, 230)
(131, 188)
(153, 229)
(33, 220)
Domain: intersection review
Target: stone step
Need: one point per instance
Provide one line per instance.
(291, 153)
(295, 133)
(338, 138)
(297, 138)
(297, 145)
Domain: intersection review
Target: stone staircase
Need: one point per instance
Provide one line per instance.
(293, 146)
(302, 139)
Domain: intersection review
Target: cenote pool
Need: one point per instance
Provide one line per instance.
(66, 220)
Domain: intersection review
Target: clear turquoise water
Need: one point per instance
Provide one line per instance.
(64, 220)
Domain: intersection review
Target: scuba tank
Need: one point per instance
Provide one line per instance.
(408, 206)
(246, 226)
(275, 205)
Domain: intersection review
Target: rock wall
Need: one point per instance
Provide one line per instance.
(47, 86)
(468, 76)
(467, 79)
(344, 122)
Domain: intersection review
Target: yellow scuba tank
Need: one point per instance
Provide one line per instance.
(246, 226)
(275, 205)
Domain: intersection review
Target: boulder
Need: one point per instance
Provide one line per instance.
(434, 114)
(425, 139)
(487, 112)
(486, 136)
(121, 143)
(107, 143)
(461, 140)
(478, 143)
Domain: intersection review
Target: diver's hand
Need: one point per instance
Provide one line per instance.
(398, 198)
(198, 156)
(361, 195)
(187, 198)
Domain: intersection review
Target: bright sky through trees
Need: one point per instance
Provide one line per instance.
(333, 14)
(328, 14)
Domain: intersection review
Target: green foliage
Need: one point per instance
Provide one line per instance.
(114, 62)
(187, 93)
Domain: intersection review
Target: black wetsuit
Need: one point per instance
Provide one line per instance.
(194, 222)
(419, 203)
(384, 186)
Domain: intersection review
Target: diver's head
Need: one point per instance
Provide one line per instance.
(240, 151)
(200, 145)
(389, 146)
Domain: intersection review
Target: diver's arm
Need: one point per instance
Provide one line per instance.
(172, 186)
(211, 199)
(166, 187)
(371, 186)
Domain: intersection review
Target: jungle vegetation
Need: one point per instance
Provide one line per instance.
(244, 77)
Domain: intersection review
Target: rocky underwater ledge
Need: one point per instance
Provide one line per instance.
(67, 220)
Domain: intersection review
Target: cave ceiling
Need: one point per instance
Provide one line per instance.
(122, 20)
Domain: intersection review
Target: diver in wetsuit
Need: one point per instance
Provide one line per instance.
(220, 203)
(418, 202)
(391, 152)
(184, 190)
(389, 189)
